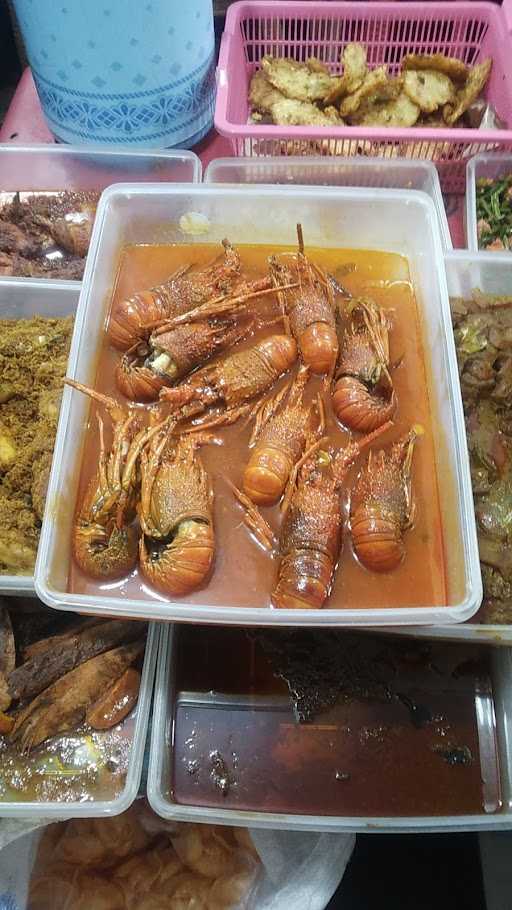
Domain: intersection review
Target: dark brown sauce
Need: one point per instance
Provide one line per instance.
(408, 744)
(243, 574)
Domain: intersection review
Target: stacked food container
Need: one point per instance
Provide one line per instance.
(352, 714)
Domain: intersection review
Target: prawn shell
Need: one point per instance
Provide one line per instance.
(266, 474)
(356, 408)
(138, 383)
(185, 563)
(103, 555)
(129, 316)
(305, 580)
(319, 347)
(377, 539)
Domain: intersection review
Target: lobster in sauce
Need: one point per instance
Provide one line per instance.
(228, 360)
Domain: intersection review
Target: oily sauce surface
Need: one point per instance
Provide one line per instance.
(244, 574)
(410, 745)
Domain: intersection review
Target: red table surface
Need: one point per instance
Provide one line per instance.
(24, 124)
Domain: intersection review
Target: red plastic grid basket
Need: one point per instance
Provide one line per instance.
(470, 31)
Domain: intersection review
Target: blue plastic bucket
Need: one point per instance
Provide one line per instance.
(137, 73)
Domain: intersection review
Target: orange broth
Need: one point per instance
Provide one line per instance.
(244, 574)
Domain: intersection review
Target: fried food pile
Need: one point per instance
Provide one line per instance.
(68, 673)
(432, 90)
(138, 861)
(33, 358)
(46, 235)
(483, 338)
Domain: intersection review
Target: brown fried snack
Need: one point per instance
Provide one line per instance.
(262, 93)
(290, 112)
(354, 72)
(371, 84)
(478, 76)
(428, 89)
(450, 66)
(400, 112)
(299, 81)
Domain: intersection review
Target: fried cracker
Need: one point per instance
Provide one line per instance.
(429, 89)
(262, 94)
(297, 80)
(399, 112)
(291, 112)
(373, 81)
(450, 66)
(476, 81)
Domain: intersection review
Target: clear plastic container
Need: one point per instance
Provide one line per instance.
(37, 168)
(21, 298)
(393, 220)
(487, 166)
(160, 762)
(491, 274)
(375, 172)
(57, 809)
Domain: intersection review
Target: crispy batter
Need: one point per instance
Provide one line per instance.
(428, 89)
(372, 82)
(400, 112)
(476, 81)
(354, 72)
(389, 91)
(297, 80)
(290, 112)
(33, 359)
(450, 66)
(262, 93)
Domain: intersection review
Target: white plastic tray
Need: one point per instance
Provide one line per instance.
(370, 172)
(485, 165)
(491, 274)
(21, 298)
(393, 220)
(57, 810)
(48, 167)
(160, 763)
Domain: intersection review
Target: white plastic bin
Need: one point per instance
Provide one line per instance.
(489, 166)
(393, 220)
(117, 804)
(21, 298)
(370, 172)
(491, 274)
(160, 764)
(38, 168)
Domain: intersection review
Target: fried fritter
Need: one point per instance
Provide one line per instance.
(262, 94)
(354, 72)
(450, 66)
(478, 76)
(371, 84)
(428, 89)
(290, 112)
(399, 112)
(299, 81)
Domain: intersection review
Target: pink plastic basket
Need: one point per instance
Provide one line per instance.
(470, 31)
